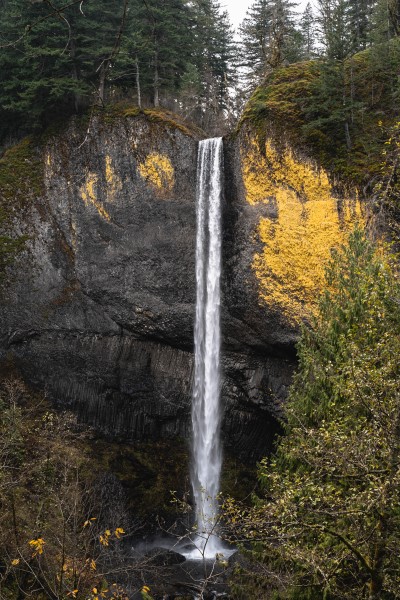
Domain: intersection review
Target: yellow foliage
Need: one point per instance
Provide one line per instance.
(37, 546)
(145, 591)
(15, 562)
(158, 171)
(118, 532)
(89, 522)
(88, 194)
(297, 239)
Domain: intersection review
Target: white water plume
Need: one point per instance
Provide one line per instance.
(206, 412)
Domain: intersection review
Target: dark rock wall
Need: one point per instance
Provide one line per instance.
(99, 310)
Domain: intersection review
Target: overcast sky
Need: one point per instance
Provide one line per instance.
(237, 9)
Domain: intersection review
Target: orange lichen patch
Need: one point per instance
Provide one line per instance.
(297, 242)
(158, 171)
(88, 194)
(114, 183)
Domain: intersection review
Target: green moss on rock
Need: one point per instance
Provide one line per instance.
(155, 115)
(21, 181)
(21, 174)
(286, 109)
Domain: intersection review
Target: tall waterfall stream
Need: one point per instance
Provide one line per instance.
(205, 543)
(206, 411)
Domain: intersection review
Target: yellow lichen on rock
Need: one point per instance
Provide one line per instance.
(304, 226)
(114, 183)
(157, 169)
(88, 193)
(266, 173)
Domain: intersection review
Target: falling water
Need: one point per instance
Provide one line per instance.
(206, 414)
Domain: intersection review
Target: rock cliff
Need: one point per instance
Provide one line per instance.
(99, 308)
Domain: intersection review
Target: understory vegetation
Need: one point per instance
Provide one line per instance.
(71, 503)
(328, 522)
(61, 522)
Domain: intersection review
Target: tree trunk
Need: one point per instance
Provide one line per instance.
(347, 134)
(75, 72)
(102, 83)
(156, 82)
(138, 92)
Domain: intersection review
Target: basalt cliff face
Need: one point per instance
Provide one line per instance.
(99, 307)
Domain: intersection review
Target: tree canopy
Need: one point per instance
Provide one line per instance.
(58, 57)
(328, 525)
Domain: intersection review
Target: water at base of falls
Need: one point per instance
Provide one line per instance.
(206, 412)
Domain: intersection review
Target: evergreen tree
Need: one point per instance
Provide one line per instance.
(334, 22)
(255, 33)
(359, 18)
(329, 523)
(385, 21)
(332, 107)
(54, 56)
(268, 37)
(39, 71)
(307, 30)
(163, 40)
(222, 59)
(213, 55)
(101, 33)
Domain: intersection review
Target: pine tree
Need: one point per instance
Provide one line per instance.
(162, 40)
(58, 58)
(329, 523)
(334, 22)
(213, 56)
(101, 33)
(38, 69)
(385, 21)
(269, 37)
(54, 56)
(359, 18)
(307, 30)
(255, 33)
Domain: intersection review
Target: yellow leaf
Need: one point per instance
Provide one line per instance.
(94, 590)
(37, 545)
(15, 562)
(118, 532)
(93, 564)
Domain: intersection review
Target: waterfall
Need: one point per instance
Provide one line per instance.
(206, 412)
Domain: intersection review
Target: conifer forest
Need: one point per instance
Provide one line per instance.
(199, 300)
